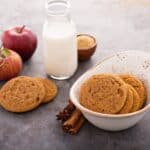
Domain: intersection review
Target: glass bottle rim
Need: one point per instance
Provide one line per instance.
(57, 7)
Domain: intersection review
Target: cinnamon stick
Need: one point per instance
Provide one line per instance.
(71, 118)
(77, 126)
(66, 113)
(72, 121)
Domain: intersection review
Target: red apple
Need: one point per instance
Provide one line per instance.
(10, 64)
(20, 39)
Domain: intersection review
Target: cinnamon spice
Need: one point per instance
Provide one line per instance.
(71, 118)
(78, 126)
(72, 121)
(66, 113)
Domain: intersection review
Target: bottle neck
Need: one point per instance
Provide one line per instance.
(58, 10)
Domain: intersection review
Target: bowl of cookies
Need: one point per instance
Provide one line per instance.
(114, 95)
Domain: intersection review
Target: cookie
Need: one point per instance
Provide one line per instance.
(22, 94)
(136, 100)
(129, 102)
(137, 85)
(104, 93)
(50, 89)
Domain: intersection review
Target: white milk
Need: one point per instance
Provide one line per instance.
(60, 49)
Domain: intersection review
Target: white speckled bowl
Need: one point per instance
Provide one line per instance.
(131, 62)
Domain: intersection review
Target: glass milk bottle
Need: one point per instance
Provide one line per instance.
(59, 41)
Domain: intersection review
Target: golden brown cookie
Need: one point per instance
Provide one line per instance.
(136, 100)
(22, 94)
(129, 102)
(137, 85)
(50, 88)
(104, 93)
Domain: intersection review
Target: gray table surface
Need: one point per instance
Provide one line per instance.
(118, 25)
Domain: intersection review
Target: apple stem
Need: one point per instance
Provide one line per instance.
(21, 29)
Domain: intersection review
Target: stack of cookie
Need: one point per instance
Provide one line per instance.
(25, 93)
(113, 94)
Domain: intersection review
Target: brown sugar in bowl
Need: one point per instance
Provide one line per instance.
(86, 46)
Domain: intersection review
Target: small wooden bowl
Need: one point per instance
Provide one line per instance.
(85, 53)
